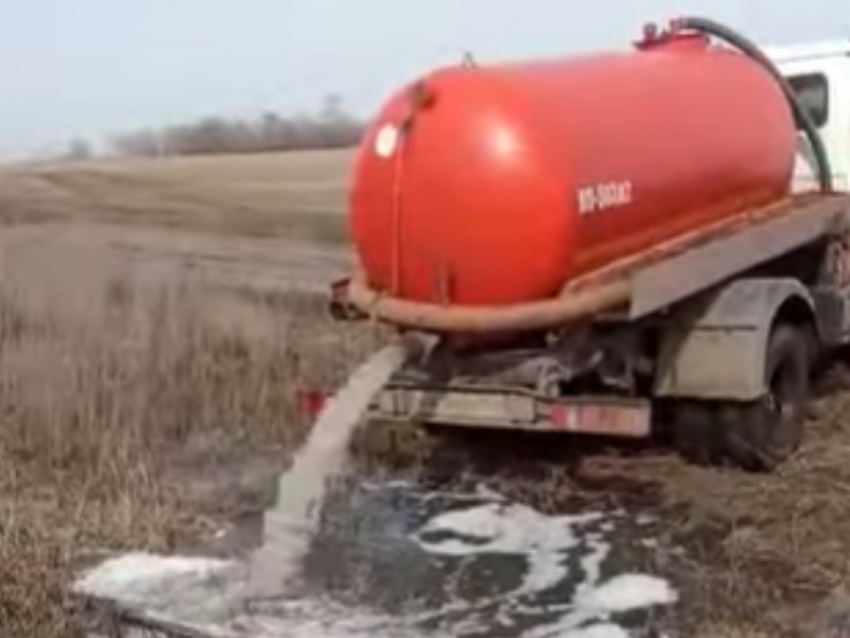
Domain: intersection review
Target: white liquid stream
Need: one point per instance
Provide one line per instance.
(289, 525)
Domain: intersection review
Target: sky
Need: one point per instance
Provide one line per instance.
(90, 68)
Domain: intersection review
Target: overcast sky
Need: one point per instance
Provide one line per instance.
(91, 67)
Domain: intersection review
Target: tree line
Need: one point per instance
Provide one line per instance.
(332, 127)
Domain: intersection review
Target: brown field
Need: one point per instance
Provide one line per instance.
(254, 195)
(156, 318)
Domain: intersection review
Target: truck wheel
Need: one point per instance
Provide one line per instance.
(696, 435)
(760, 436)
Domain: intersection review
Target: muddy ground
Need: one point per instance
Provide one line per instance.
(148, 398)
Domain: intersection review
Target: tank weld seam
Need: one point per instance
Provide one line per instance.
(419, 97)
(395, 282)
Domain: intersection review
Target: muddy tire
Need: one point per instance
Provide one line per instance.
(695, 433)
(761, 435)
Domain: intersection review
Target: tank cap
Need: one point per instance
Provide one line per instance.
(651, 32)
(672, 38)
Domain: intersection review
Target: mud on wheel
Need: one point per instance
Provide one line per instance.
(759, 435)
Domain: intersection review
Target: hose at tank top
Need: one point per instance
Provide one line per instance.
(801, 115)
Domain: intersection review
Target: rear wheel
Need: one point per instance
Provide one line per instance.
(761, 435)
(696, 435)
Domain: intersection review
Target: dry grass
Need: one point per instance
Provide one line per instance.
(773, 547)
(138, 394)
(297, 195)
(107, 423)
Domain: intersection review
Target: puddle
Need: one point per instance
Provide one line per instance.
(395, 560)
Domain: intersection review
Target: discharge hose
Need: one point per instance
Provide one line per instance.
(751, 50)
(536, 315)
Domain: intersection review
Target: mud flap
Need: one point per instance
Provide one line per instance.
(716, 347)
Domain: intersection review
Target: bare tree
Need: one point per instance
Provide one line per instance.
(78, 150)
(332, 127)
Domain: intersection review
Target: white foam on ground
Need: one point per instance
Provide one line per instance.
(166, 588)
(600, 630)
(290, 524)
(203, 594)
(508, 529)
(591, 563)
(137, 577)
(628, 592)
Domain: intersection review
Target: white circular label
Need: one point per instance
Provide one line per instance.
(386, 141)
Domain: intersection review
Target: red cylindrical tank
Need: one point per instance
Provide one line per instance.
(514, 179)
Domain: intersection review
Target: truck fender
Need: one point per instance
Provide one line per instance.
(715, 346)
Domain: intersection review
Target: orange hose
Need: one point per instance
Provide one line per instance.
(592, 294)
(549, 313)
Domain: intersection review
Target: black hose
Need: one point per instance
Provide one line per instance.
(801, 115)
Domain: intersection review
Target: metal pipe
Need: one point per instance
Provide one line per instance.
(432, 317)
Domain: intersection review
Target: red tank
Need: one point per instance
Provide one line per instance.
(515, 179)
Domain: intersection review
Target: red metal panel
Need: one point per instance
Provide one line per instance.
(603, 418)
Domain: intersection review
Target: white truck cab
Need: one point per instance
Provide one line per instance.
(820, 73)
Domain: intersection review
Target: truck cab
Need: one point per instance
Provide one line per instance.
(820, 74)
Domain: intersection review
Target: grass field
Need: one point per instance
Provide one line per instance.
(254, 195)
(155, 321)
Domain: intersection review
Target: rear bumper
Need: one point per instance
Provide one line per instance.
(512, 409)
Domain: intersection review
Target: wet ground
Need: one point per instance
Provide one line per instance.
(392, 559)
(480, 566)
